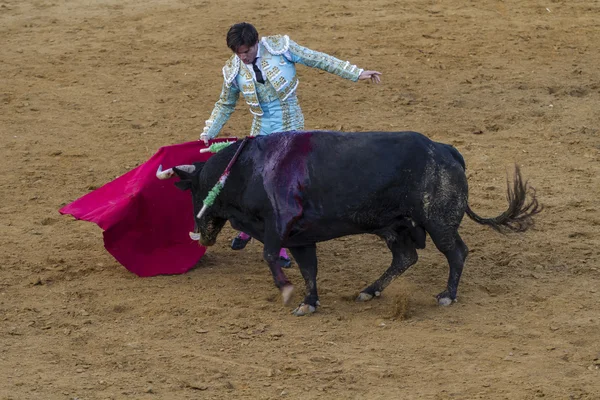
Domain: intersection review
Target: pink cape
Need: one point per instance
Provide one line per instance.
(146, 221)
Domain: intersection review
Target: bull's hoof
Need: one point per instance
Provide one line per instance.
(304, 309)
(286, 293)
(364, 297)
(444, 299)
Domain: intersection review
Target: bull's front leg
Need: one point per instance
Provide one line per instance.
(306, 257)
(272, 246)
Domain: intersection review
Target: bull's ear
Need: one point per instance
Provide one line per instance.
(186, 175)
(184, 184)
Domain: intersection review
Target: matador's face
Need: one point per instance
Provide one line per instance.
(247, 53)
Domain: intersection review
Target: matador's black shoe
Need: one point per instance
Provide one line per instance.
(285, 262)
(239, 243)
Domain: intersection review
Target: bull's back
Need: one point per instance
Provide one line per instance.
(356, 167)
(347, 183)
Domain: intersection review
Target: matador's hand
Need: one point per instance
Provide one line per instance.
(204, 137)
(372, 75)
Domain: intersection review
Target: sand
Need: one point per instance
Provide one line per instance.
(91, 89)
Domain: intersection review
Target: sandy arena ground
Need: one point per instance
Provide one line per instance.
(91, 89)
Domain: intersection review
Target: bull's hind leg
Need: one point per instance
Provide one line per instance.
(456, 252)
(404, 255)
(306, 257)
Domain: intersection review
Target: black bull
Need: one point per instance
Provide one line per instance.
(296, 189)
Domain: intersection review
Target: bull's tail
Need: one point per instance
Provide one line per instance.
(519, 215)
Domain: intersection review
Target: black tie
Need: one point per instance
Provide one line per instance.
(259, 76)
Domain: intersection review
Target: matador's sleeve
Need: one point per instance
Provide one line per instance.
(222, 110)
(323, 61)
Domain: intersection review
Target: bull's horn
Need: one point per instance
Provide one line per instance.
(187, 168)
(166, 174)
(160, 174)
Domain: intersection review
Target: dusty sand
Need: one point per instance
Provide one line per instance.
(90, 89)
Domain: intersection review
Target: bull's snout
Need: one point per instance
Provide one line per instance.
(195, 236)
(207, 243)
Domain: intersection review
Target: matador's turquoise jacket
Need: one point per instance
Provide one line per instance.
(274, 103)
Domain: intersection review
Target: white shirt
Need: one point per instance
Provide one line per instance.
(257, 62)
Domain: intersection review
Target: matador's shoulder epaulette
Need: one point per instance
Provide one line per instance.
(231, 69)
(276, 44)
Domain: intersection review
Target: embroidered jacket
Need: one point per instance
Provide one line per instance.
(278, 56)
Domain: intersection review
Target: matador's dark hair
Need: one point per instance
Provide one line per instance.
(242, 34)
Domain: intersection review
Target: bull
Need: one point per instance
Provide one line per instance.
(296, 189)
